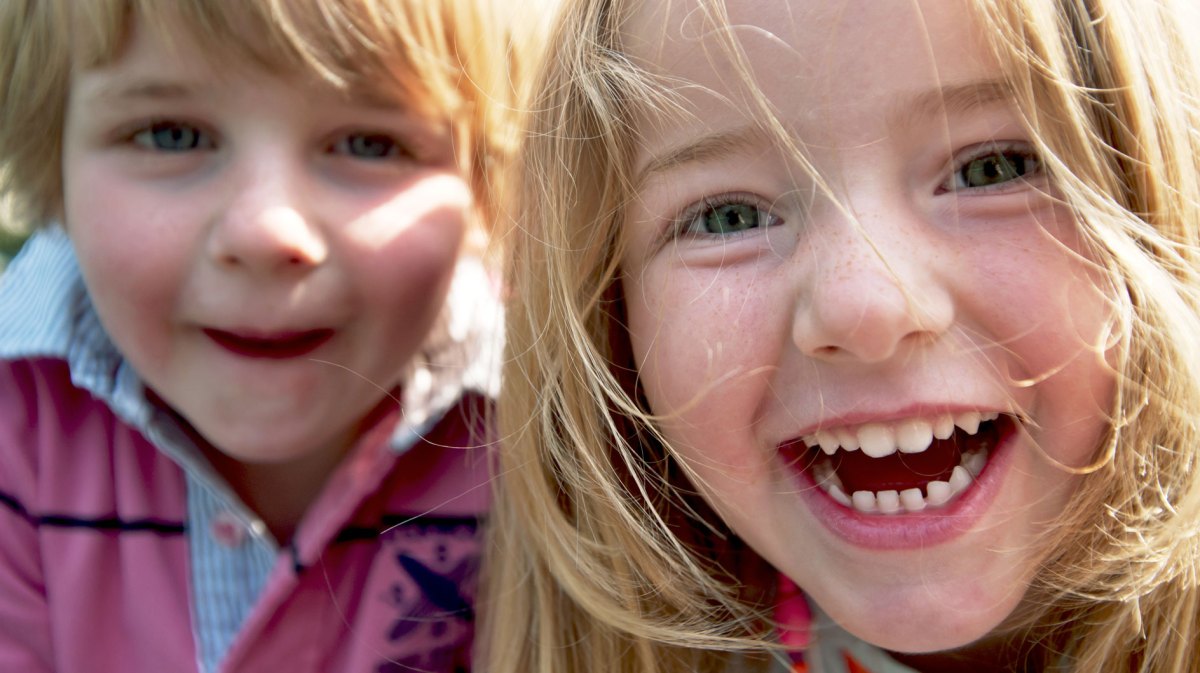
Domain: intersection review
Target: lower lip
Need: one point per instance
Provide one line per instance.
(274, 347)
(912, 530)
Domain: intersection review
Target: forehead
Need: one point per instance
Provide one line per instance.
(815, 64)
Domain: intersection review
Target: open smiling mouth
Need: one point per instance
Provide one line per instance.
(907, 467)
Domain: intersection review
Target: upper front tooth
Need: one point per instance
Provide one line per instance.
(914, 436)
(828, 442)
(943, 426)
(877, 440)
(847, 439)
(968, 421)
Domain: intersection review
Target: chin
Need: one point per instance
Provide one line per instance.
(933, 627)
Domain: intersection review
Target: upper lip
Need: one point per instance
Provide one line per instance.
(268, 334)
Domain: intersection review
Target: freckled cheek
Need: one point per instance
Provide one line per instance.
(694, 361)
(1036, 300)
(1049, 326)
(717, 442)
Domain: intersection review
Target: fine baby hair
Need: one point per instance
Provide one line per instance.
(247, 355)
(897, 300)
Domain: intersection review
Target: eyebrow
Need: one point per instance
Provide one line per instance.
(952, 98)
(143, 89)
(716, 145)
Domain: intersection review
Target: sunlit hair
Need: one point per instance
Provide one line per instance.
(452, 61)
(603, 559)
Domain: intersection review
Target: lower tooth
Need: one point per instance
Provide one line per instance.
(864, 501)
(960, 479)
(974, 462)
(826, 477)
(888, 501)
(938, 493)
(912, 499)
(839, 495)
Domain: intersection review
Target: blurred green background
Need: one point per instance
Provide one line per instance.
(11, 235)
(10, 243)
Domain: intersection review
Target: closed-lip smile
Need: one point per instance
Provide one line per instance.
(270, 345)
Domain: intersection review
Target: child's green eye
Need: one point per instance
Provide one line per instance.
(728, 218)
(172, 137)
(996, 168)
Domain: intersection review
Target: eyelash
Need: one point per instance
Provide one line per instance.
(683, 224)
(147, 136)
(1012, 152)
(395, 149)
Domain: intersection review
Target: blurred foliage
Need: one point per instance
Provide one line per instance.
(10, 243)
(11, 236)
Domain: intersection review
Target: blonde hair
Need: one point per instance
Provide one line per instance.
(602, 557)
(457, 61)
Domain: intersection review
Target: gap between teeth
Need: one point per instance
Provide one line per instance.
(909, 436)
(937, 493)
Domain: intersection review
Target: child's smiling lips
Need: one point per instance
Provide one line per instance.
(278, 345)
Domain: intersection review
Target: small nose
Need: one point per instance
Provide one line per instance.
(862, 302)
(267, 226)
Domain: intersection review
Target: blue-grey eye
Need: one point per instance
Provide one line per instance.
(731, 218)
(996, 168)
(370, 146)
(172, 137)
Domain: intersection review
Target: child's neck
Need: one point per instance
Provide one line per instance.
(279, 493)
(987, 656)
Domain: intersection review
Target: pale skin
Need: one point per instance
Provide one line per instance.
(266, 251)
(937, 280)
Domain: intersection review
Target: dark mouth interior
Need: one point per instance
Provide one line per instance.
(280, 347)
(293, 341)
(900, 471)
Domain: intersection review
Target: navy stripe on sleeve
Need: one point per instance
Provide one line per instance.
(105, 524)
